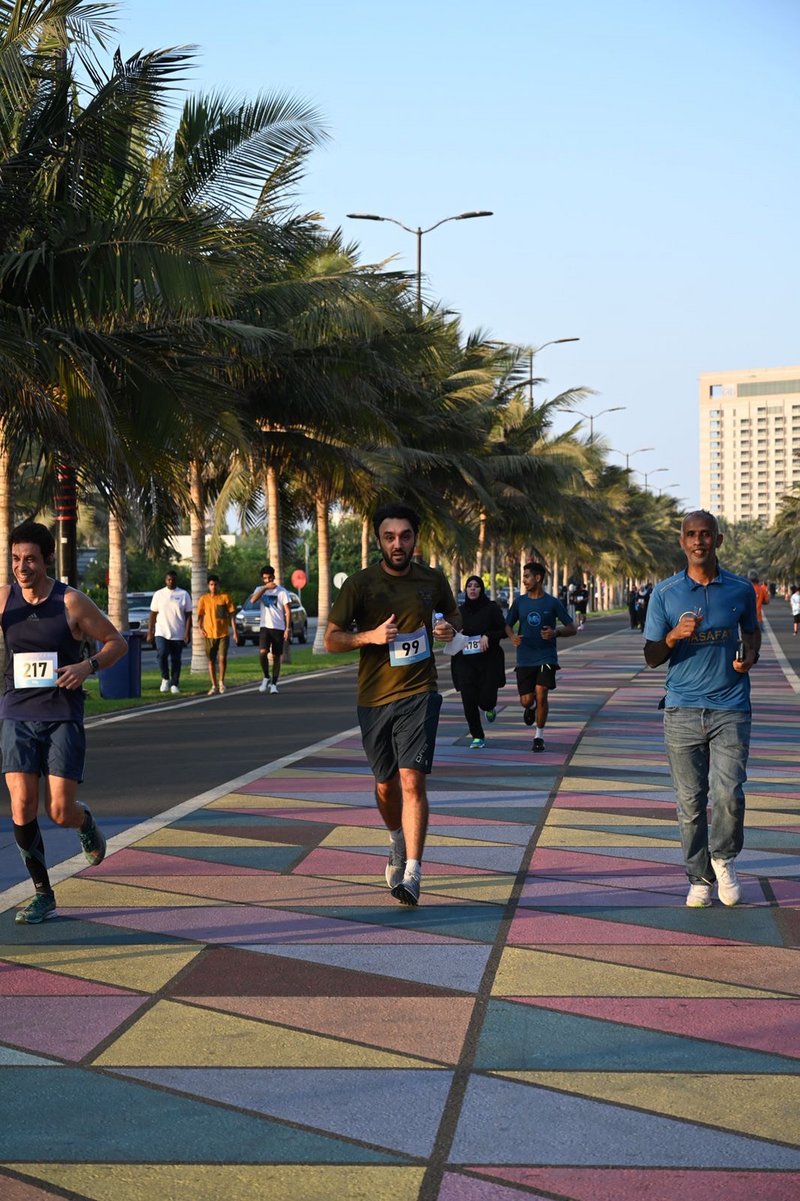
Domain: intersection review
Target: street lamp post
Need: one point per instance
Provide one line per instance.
(630, 453)
(418, 232)
(647, 474)
(535, 351)
(591, 418)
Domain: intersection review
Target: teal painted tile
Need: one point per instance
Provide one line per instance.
(759, 925)
(475, 922)
(119, 1121)
(520, 1037)
(267, 859)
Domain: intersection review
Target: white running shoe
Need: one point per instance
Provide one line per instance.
(273, 688)
(264, 685)
(728, 887)
(164, 686)
(699, 896)
(174, 689)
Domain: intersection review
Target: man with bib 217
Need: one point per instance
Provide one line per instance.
(43, 623)
(398, 605)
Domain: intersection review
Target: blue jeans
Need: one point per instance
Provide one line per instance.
(707, 751)
(169, 652)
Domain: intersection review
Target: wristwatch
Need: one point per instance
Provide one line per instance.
(94, 666)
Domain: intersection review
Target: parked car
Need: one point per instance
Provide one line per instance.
(247, 621)
(139, 610)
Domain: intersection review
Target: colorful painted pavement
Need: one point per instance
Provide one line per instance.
(232, 1007)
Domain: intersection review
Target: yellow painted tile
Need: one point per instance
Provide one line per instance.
(241, 800)
(170, 837)
(186, 1036)
(763, 818)
(376, 836)
(764, 1106)
(82, 892)
(210, 1182)
(144, 967)
(564, 836)
(585, 784)
(529, 973)
(494, 890)
(587, 817)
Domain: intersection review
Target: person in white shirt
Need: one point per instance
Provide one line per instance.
(276, 627)
(794, 601)
(170, 628)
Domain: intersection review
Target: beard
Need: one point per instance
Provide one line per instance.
(399, 560)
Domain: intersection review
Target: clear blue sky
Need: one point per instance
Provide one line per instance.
(641, 160)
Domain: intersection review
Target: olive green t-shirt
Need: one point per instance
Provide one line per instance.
(369, 598)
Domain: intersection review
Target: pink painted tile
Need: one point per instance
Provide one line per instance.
(67, 1027)
(787, 892)
(131, 862)
(457, 1187)
(654, 1184)
(759, 1024)
(562, 894)
(18, 981)
(540, 929)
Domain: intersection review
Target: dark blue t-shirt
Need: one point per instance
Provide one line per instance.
(532, 616)
(29, 629)
(700, 672)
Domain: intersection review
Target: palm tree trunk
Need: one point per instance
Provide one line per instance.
(6, 507)
(365, 531)
(197, 528)
(493, 569)
(481, 554)
(455, 575)
(324, 573)
(117, 571)
(274, 521)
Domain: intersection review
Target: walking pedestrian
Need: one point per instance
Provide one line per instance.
(215, 611)
(44, 624)
(794, 602)
(478, 670)
(398, 605)
(536, 613)
(695, 621)
(762, 594)
(170, 629)
(275, 629)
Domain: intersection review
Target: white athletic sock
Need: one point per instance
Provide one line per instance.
(413, 867)
(537, 733)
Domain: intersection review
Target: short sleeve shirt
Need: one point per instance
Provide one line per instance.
(214, 613)
(369, 598)
(532, 615)
(273, 612)
(171, 606)
(700, 672)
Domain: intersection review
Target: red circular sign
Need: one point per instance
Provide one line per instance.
(299, 578)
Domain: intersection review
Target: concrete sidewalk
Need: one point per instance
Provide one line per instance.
(233, 1007)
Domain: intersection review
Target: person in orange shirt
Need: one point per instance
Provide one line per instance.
(215, 611)
(762, 594)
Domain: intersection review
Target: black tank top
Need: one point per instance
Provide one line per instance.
(31, 628)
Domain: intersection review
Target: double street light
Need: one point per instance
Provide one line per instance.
(630, 453)
(418, 232)
(591, 417)
(647, 474)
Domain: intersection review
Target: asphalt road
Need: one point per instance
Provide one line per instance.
(147, 762)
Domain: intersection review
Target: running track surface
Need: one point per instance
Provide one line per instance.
(232, 1007)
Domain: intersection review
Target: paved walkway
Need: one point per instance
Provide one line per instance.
(232, 1007)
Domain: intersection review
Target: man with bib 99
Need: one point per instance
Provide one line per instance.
(398, 606)
(43, 623)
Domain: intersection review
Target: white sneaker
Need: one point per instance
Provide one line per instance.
(174, 689)
(728, 887)
(264, 685)
(273, 688)
(164, 686)
(699, 896)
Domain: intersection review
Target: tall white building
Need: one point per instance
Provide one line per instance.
(749, 441)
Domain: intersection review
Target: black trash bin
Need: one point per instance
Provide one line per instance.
(124, 678)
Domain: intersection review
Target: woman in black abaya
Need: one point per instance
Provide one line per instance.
(479, 669)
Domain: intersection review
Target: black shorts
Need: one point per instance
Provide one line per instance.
(271, 640)
(400, 734)
(44, 748)
(529, 678)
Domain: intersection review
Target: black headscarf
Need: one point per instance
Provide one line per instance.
(473, 612)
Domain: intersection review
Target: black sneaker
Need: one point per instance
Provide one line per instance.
(538, 745)
(38, 910)
(529, 716)
(93, 844)
(407, 892)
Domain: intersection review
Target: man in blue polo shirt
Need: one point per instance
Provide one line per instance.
(536, 613)
(694, 622)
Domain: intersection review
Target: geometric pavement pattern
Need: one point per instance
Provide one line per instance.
(233, 1007)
